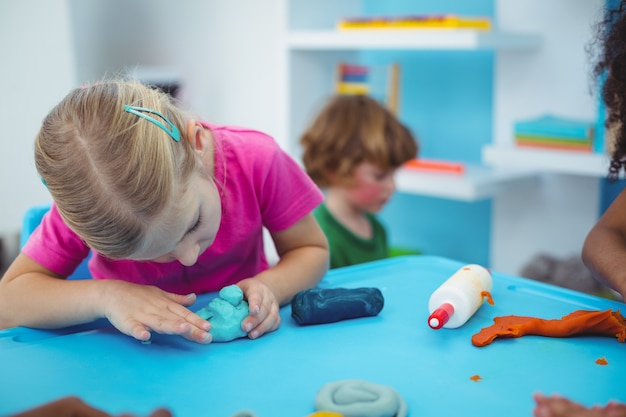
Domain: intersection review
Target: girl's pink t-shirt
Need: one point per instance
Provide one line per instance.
(261, 186)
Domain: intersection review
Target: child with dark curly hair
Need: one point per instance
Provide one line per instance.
(604, 250)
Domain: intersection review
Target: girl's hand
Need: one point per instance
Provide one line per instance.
(264, 308)
(136, 310)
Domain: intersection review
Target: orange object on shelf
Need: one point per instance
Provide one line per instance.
(434, 165)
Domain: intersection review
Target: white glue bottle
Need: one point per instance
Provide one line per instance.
(457, 299)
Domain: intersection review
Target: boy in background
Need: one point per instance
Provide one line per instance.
(352, 151)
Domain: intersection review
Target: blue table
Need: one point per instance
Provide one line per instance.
(280, 373)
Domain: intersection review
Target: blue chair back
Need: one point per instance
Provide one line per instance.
(31, 220)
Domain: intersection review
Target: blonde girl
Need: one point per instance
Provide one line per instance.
(170, 206)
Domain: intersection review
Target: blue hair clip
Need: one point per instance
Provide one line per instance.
(137, 111)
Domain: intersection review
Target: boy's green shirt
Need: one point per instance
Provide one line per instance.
(346, 248)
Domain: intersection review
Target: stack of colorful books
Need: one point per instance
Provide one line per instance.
(352, 79)
(551, 132)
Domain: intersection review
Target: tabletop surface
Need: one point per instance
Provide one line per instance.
(280, 373)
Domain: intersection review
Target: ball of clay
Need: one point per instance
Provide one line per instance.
(225, 313)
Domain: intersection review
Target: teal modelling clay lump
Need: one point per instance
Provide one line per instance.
(225, 313)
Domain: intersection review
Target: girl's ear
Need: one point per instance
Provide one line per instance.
(197, 136)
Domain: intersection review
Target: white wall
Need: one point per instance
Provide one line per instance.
(226, 52)
(37, 71)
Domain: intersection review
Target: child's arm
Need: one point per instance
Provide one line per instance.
(604, 250)
(33, 296)
(304, 255)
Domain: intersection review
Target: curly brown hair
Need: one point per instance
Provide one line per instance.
(352, 129)
(609, 45)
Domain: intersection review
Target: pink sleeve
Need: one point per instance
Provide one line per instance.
(55, 246)
(288, 194)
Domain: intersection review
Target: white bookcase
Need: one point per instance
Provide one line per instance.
(433, 39)
(555, 216)
(313, 48)
(561, 162)
(540, 67)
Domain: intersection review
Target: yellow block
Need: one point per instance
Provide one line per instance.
(352, 88)
(325, 414)
(423, 22)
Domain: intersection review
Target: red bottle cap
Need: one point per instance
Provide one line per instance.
(440, 316)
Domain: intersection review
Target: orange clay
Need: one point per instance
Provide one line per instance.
(489, 297)
(475, 378)
(580, 322)
(602, 361)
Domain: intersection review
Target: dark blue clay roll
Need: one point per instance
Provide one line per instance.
(328, 305)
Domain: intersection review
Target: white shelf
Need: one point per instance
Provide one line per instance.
(327, 45)
(433, 39)
(563, 162)
(476, 183)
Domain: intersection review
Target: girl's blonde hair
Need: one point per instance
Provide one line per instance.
(110, 172)
(352, 129)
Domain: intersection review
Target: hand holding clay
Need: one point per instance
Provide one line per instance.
(225, 313)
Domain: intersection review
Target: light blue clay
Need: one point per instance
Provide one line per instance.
(360, 398)
(225, 313)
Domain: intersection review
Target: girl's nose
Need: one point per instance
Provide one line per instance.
(187, 255)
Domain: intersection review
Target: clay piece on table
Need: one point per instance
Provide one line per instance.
(328, 305)
(359, 398)
(580, 322)
(244, 413)
(225, 313)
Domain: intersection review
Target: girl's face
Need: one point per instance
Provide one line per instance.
(189, 228)
(370, 188)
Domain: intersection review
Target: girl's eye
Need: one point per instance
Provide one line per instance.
(195, 226)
